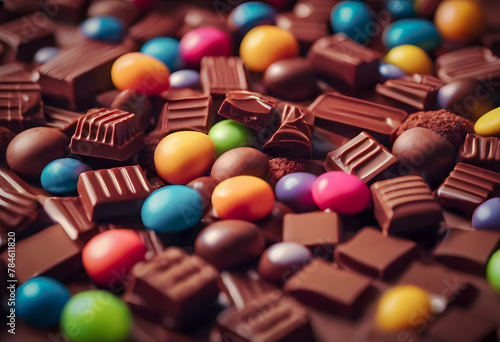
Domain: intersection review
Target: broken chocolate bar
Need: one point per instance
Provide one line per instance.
(220, 75)
(481, 151)
(185, 114)
(251, 109)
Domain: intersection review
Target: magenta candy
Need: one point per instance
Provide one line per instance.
(204, 41)
(341, 192)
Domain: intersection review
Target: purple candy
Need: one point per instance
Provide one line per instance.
(487, 215)
(184, 79)
(294, 190)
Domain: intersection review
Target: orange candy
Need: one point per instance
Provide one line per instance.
(460, 20)
(139, 72)
(243, 198)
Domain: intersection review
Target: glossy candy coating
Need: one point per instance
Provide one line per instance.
(493, 271)
(341, 192)
(400, 9)
(45, 54)
(240, 161)
(460, 21)
(96, 315)
(390, 71)
(40, 301)
(489, 123)
(109, 256)
(229, 134)
(172, 208)
(411, 59)
(352, 18)
(185, 79)
(165, 49)
(204, 41)
(105, 28)
(264, 45)
(295, 190)
(280, 261)
(413, 31)
(249, 15)
(60, 176)
(487, 215)
(243, 198)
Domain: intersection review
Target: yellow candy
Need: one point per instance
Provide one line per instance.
(264, 45)
(403, 307)
(410, 58)
(460, 21)
(489, 123)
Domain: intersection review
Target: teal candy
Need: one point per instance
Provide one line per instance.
(105, 28)
(401, 8)
(352, 18)
(165, 49)
(60, 176)
(413, 31)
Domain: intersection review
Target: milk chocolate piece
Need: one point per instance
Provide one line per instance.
(134, 102)
(220, 75)
(64, 120)
(405, 205)
(349, 116)
(107, 133)
(305, 30)
(71, 11)
(115, 192)
(154, 25)
(238, 162)
(17, 211)
(321, 285)
(475, 62)
(387, 260)
(467, 250)
(343, 62)
(467, 187)
(272, 225)
(251, 109)
(126, 11)
(481, 151)
(363, 157)
(11, 182)
(191, 114)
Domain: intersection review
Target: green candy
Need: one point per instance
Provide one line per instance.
(493, 271)
(229, 134)
(96, 316)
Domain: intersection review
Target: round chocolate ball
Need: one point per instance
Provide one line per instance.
(31, 150)
(229, 243)
(242, 161)
(282, 260)
(425, 153)
(290, 79)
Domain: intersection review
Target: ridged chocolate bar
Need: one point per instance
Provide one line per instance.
(467, 187)
(11, 182)
(220, 75)
(363, 157)
(185, 114)
(154, 25)
(20, 105)
(349, 116)
(111, 193)
(476, 62)
(481, 151)
(107, 133)
(17, 211)
(306, 30)
(64, 120)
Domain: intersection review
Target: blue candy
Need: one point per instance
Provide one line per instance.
(353, 18)
(105, 28)
(60, 176)
(40, 301)
(172, 208)
(166, 49)
(184, 79)
(400, 9)
(249, 15)
(487, 215)
(295, 190)
(46, 53)
(390, 71)
(413, 31)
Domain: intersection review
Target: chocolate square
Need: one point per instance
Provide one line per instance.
(192, 113)
(481, 151)
(220, 75)
(17, 211)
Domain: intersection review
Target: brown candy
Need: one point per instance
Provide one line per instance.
(238, 162)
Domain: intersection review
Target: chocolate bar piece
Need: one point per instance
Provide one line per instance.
(467, 250)
(251, 109)
(316, 10)
(390, 257)
(481, 151)
(154, 25)
(22, 37)
(349, 116)
(115, 192)
(475, 62)
(306, 30)
(185, 114)
(220, 75)
(321, 285)
(11, 182)
(62, 119)
(363, 157)
(405, 205)
(17, 211)
(71, 11)
(343, 62)
(467, 187)
(107, 133)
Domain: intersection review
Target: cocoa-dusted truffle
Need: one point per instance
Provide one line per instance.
(280, 167)
(449, 125)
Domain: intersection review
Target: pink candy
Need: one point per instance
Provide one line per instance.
(204, 41)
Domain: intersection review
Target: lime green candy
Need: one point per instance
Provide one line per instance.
(229, 134)
(493, 271)
(96, 316)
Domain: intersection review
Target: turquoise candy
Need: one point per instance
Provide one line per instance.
(105, 28)
(60, 176)
(412, 31)
(353, 18)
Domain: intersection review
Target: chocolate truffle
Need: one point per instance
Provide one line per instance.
(30, 151)
(239, 162)
(425, 153)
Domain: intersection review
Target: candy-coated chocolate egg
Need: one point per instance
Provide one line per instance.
(240, 161)
(60, 176)
(166, 49)
(295, 190)
(249, 15)
(341, 192)
(228, 243)
(105, 28)
(205, 187)
(282, 260)
(243, 198)
(141, 73)
(40, 301)
(400, 9)
(96, 315)
(412, 31)
(402, 306)
(390, 71)
(172, 208)
(109, 256)
(352, 18)
(183, 156)
(489, 123)
(493, 271)
(204, 41)
(229, 134)
(411, 59)
(185, 79)
(45, 54)
(460, 21)
(264, 45)
(487, 215)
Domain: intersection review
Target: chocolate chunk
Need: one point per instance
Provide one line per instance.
(115, 192)
(386, 261)
(405, 205)
(10, 182)
(321, 285)
(71, 11)
(343, 62)
(17, 211)
(155, 24)
(282, 166)
(305, 30)
(481, 151)
(323, 142)
(5, 138)
(220, 75)
(467, 187)
(467, 250)
(126, 11)
(192, 113)
(349, 116)
(363, 157)
(63, 120)
(315, 10)
(251, 109)
(272, 225)
(238, 162)
(107, 133)
(134, 102)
